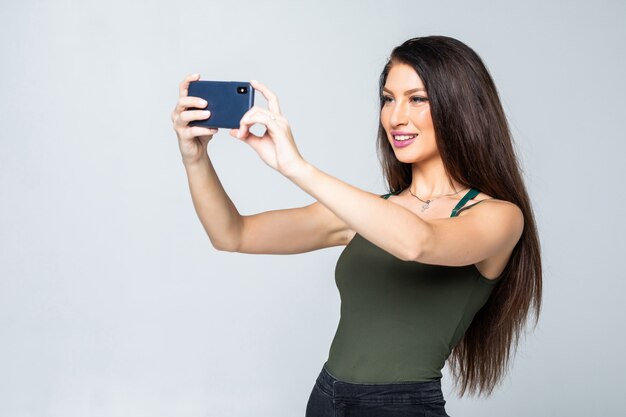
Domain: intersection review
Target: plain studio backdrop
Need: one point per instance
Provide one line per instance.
(113, 301)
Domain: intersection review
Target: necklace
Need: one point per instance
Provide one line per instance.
(427, 202)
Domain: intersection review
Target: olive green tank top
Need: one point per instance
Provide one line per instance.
(400, 319)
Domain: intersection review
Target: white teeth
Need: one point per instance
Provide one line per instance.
(404, 137)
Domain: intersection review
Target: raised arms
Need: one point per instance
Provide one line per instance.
(285, 231)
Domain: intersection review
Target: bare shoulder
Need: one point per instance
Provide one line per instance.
(501, 213)
(496, 217)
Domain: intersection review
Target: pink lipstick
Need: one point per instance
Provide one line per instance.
(402, 139)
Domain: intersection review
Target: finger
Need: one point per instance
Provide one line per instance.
(184, 85)
(246, 120)
(255, 111)
(185, 117)
(187, 102)
(196, 131)
(256, 115)
(272, 100)
(235, 133)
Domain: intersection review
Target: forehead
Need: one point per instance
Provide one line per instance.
(402, 77)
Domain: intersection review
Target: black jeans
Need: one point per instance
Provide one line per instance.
(333, 398)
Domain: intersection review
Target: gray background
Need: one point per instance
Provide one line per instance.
(114, 303)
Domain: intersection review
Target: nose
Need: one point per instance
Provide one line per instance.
(399, 115)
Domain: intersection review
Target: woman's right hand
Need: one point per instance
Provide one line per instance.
(192, 140)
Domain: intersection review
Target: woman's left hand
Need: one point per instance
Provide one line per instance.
(276, 147)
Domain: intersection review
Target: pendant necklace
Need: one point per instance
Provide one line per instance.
(427, 202)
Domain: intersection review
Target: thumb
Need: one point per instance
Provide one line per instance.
(235, 134)
(251, 140)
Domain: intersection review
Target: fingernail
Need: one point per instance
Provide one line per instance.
(254, 81)
(206, 112)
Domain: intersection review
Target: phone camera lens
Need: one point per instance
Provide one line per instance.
(242, 90)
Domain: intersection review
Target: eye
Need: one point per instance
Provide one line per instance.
(419, 99)
(414, 99)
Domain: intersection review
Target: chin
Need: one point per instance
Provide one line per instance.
(407, 159)
(414, 157)
(410, 156)
(403, 153)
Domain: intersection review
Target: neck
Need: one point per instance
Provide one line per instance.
(430, 180)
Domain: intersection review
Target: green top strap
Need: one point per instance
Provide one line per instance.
(473, 192)
(386, 196)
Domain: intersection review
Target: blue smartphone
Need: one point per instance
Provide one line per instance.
(228, 101)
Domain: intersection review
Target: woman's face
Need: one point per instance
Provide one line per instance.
(406, 112)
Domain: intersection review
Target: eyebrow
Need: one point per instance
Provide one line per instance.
(406, 93)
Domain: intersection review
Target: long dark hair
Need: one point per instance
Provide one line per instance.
(475, 144)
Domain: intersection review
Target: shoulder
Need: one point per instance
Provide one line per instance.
(495, 214)
(483, 234)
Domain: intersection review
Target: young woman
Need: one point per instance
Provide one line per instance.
(444, 267)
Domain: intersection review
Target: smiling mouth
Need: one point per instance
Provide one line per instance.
(401, 138)
(401, 141)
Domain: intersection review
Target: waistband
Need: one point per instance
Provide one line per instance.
(418, 392)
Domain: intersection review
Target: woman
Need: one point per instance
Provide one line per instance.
(423, 278)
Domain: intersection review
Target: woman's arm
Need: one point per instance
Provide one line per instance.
(294, 230)
(388, 225)
(216, 211)
(463, 240)
(286, 231)
(385, 224)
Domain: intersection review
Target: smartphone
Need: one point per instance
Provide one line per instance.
(228, 101)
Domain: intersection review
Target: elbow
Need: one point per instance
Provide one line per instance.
(223, 246)
(415, 247)
(413, 254)
(412, 250)
(226, 241)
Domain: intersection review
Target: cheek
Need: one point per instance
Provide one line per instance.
(422, 116)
